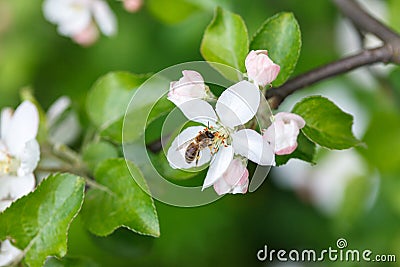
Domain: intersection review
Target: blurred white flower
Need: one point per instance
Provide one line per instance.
(8, 253)
(19, 155)
(326, 182)
(260, 68)
(283, 132)
(62, 122)
(78, 18)
(236, 106)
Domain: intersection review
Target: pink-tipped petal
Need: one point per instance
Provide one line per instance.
(234, 180)
(260, 68)
(133, 6)
(190, 86)
(283, 132)
(87, 37)
(287, 116)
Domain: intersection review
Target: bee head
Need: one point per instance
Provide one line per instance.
(209, 134)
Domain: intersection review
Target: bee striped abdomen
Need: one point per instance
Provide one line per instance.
(192, 152)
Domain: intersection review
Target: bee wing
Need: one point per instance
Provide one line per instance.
(185, 144)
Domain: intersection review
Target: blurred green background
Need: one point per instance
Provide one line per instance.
(230, 231)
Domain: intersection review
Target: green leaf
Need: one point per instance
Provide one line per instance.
(226, 40)
(38, 223)
(281, 36)
(172, 12)
(124, 244)
(305, 151)
(95, 153)
(353, 205)
(119, 201)
(132, 126)
(394, 19)
(107, 101)
(70, 261)
(326, 124)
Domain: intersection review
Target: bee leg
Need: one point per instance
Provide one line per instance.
(197, 157)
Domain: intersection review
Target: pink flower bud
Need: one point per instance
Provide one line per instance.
(190, 86)
(260, 68)
(234, 180)
(283, 132)
(133, 5)
(88, 36)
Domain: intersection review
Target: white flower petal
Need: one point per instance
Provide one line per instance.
(250, 144)
(53, 10)
(75, 23)
(199, 110)
(176, 152)
(8, 253)
(285, 137)
(218, 166)
(104, 17)
(6, 115)
(238, 104)
(22, 128)
(68, 124)
(71, 16)
(14, 187)
(57, 109)
(29, 158)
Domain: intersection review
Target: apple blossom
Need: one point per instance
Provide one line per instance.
(19, 155)
(234, 180)
(190, 86)
(283, 132)
(78, 18)
(61, 118)
(132, 5)
(236, 106)
(260, 68)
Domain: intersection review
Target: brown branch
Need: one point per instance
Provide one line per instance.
(388, 53)
(367, 57)
(365, 21)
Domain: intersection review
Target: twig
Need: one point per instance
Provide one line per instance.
(388, 53)
(365, 21)
(366, 57)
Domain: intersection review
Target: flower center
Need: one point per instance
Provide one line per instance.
(8, 165)
(221, 137)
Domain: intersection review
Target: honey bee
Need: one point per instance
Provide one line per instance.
(194, 146)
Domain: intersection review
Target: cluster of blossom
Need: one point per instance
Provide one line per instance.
(82, 19)
(230, 143)
(19, 156)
